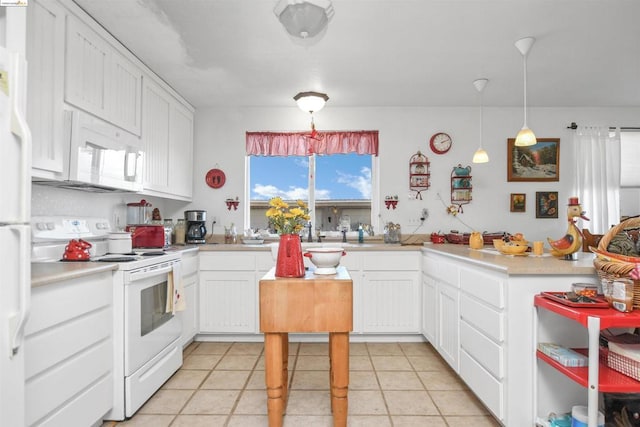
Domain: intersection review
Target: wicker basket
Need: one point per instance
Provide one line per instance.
(610, 268)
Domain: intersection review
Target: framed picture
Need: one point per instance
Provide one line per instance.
(546, 204)
(518, 202)
(539, 162)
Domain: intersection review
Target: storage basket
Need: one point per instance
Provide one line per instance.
(611, 266)
(620, 363)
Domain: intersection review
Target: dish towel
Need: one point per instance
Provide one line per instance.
(175, 290)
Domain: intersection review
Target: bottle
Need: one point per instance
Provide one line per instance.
(168, 231)
(181, 231)
(360, 234)
(234, 234)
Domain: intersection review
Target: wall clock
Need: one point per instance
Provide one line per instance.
(215, 178)
(440, 143)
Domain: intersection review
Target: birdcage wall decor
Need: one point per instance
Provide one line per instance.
(461, 187)
(419, 175)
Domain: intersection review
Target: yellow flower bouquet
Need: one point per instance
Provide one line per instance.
(285, 219)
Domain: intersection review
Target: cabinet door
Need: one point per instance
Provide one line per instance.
(155, 136)
(189, 316)
(87, 68)
(228, 302)
(448, 335)
(391, 302)
(124, 89)
(429, 308)
(45, 59)
(181, 151)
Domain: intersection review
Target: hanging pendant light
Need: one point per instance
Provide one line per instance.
(526, 136)
(480, 156)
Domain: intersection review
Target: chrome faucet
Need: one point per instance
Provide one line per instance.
(344, 235)
(309, 236)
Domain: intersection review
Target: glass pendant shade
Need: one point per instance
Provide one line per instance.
(526, 136)
(311, 102)
(480, 156)
(304, 19)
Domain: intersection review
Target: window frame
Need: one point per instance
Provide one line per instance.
(375, 191)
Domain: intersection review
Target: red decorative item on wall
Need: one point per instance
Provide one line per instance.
(215, 178)
(419, 174)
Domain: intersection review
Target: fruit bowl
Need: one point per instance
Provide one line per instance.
(325, 259)
(513, 248)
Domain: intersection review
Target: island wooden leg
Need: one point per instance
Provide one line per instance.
(273, 364)
(339, 355)
(285, 369)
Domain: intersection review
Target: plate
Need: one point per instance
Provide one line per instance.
(253, 241)
(215, 178)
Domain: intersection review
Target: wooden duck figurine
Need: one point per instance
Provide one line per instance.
(572, 241)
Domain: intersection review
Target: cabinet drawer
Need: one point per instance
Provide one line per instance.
(391, 261)
(228, 261)
(485, 287)
(482, 317)
(189, 264)
(489, 390)
(265, 261)
(449, 272)
(429, 266)
(487, 353)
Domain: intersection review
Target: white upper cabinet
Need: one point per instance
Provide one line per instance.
(100, 80)
(167, 133)
(45, 59)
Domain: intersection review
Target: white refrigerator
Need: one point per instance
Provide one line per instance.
(15, 213)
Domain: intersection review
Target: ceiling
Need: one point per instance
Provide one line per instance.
(399, 53)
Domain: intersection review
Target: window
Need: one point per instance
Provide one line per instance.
(337, 187)
(629, 155)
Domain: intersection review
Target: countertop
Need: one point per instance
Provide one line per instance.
(347, 247)
(517, 265)
(46, 273)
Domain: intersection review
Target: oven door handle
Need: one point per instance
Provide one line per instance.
(151, 273)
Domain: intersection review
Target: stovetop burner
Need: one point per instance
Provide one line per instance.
(116, 259)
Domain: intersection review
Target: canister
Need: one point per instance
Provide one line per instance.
(119, 243)
(580, 417)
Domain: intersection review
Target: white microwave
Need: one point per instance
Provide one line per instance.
(102, 156)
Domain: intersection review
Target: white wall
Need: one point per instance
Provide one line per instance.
(220, 142)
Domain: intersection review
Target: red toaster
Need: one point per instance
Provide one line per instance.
(146, 236)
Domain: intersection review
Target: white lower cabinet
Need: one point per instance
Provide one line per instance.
(228, 301)
(68, 352)
(189, 317)
(229, 291)
(447, 336)
(429, 308)
(390, 302)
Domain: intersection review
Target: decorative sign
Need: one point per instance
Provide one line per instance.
(215, 178)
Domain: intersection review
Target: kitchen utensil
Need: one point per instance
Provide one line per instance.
(325, 259)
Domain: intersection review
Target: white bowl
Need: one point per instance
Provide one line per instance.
(325, 259)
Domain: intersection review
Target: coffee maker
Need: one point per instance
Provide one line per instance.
(196, 230)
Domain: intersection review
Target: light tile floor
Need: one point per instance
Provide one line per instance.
(390, 384)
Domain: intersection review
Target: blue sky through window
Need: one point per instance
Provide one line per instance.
(338, 177)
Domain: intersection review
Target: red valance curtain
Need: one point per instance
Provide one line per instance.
(303, 144)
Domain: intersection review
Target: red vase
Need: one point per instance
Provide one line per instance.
(290, 262)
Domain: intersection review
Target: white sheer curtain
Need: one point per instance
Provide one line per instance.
(597, 175)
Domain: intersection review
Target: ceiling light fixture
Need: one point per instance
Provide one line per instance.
(311, 102)
(480, 156)
(526, 136)
(304, 18)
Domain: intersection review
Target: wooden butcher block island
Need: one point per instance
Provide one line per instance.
(322, 303)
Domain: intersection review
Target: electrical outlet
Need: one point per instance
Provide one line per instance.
(215, 219)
